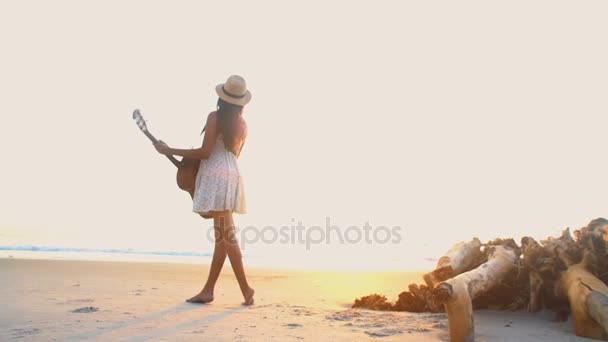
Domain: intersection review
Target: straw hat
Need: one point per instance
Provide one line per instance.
(234, 91)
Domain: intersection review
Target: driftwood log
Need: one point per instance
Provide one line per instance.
(460, 258)
(543, 266)
(457, 294)
(566, 274)
(539, 265)
(588, 298)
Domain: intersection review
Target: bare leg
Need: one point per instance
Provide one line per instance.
(234, 254)
(219, 255)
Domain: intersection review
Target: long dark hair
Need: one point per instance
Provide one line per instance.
(227, 114)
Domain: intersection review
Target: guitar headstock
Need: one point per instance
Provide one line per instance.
(139, 120)
(141, 123)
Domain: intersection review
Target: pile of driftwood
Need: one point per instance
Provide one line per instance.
(567, 274)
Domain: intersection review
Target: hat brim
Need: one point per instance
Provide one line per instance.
(239, 101)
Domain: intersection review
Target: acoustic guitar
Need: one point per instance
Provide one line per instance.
(186, 168)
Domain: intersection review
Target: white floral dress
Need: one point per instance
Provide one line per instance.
(219, 185)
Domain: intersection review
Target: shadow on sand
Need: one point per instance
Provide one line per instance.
(176, 310)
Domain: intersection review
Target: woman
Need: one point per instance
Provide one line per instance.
(219, 186)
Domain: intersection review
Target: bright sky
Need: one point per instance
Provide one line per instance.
(448, 119)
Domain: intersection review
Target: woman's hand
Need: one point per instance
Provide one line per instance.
(162, 148)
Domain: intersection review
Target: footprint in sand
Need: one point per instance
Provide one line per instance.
(21, 333)
(384, 332)
(347, 315)
(86, 309)
(302, 311)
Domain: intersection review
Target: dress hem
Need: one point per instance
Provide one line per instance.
(208, 212)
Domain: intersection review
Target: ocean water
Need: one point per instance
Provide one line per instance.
(100, 254)
(252, 259)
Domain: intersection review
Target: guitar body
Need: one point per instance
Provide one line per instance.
(186, 175)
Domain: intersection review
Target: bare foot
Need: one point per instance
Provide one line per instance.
(249, 297)
(202, 297)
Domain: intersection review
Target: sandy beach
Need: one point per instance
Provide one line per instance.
(52, 300)
(339, 149)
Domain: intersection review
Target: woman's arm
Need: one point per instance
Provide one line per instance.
(196, 153)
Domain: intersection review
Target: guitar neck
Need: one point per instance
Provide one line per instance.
(171, 158)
